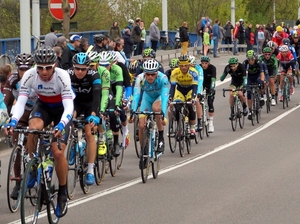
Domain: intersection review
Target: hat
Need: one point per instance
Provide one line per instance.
(61, 39)
(75, 37)
(241, 20)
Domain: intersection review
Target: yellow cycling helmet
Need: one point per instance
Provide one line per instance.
(279, 29)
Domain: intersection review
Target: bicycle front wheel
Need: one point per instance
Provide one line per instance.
(180, 134)
(14, 178)
(268, 101)
(52, 199)
(172, 134)
(120, 158)
(144, 158)
(136, 135)
(31, 203)
(235, 117)
(99, 169)
(82, 175)
(73, 159)
(241, 117)
(156, 167)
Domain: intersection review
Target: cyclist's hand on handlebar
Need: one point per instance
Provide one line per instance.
(9, 127)
(131, 117)
(58, 130)
(94, 120)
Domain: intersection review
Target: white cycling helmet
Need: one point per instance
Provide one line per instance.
(284, 48)
(130, 21)
(104, 58)
(113, 55)
(150, 66)
(271, 44)
(192, 60)
(93, 55)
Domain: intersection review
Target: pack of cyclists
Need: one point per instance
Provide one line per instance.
(101, 85)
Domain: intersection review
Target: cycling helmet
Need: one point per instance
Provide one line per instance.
(24, 60)
(251, 54)
(192, 60)
(279, 29)
(44, 55)
(113, 56)
(149, 52)
(233, 60)
(284, 48)
(183, 60)
(295, 35)
(130, 21)
(205, 58)
(98, 38)
(105, 58)
(93, 55)
(133, 66)
(286, 41)
(267, 50)
(81, 59)
(150, 66)
(173, 63)
(271, 44)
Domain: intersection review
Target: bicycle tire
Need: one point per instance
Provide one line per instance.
(145, 165)
(180, 133)
(258, 109)
(155, 167)
(172, 134)
(120, 158)
(113, 161)
(52, 199)
(99, 169)
(13, 205)
(188, 144)
(268, 101)
(235, 115)
(135, 135)
(206, 129)
(287, 94)
(72, 170)
(30, 197)
(284, 97)
(241, 117)
(82, 174)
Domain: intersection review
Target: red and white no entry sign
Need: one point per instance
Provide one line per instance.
(55, 8)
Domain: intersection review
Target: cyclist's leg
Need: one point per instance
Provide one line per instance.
(211, 111)
(199, 113)
(156, 107)
(272, 89)
(192, 113)
(125, 130)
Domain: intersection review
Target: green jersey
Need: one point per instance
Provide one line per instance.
(272, 64)
(116, 81)
(105, 86)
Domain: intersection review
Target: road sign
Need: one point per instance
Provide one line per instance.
(55, 8)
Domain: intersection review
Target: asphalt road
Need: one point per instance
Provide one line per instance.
(248, 176)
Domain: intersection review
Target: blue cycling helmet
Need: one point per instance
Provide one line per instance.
(81, 59)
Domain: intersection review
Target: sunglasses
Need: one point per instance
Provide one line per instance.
(232, 66)
(47, 67)
(81, 69)
(23, 69)
(150, 74)
(267, 54)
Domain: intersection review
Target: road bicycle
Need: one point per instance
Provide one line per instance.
(285, 91)
(44, 190)
(268, 98)
(255, 102)
(76, 157)
(204, 118)
(149, 155)
(237, 115)
(136, 135)
(181, 133)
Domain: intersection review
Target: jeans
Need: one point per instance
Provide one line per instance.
(137, 48)
(154, 44)
(216, 42)
(199, 44)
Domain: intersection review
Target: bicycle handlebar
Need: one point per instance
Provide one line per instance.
(232, 90)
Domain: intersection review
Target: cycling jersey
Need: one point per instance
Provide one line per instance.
(293, 51)
(296, 45)
(105, 87)
(87, 89)
(254, 70)
(209, 75)
(238, 77)
(52, 93)
(272, 64)
(200, 78)
(277, 37)
(126, 81)
(116, 81)
(158, 90)
(286, 61)
(11, 93)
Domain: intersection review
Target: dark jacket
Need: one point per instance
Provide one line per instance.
(114, 33)
(99, 49)
(67, 55)
(227, 29)
(183, 32)
(136, 33)
(247, 33)
(128, 43)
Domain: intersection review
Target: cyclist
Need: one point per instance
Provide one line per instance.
(274, 48)
(11, 92)
(199, 90)
(272, 65)
(173, 63)
(116, 81)
(286, 41)
(286, 65)
(86, 85)
(238, 81)
(148, 53)
(256, 75)
(155, 98)
(296, 44)
(278, 35)
(184, 81)
(209, 83)
(94, 58)
(55, 103)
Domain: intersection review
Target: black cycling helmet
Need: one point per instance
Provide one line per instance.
(44, 55)
(98, 38)
(286, 41)
(81, 59)
(24, 59)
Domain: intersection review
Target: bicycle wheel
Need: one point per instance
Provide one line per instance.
(188, 144)
(144, 158)
(99, 169)
(206, 129)
(268, 101)
(136, 135)
(172, 134)
(72, 169)
(258, 109)
(155, 167)
(201, 132)
(113, 161)
(82, 174)
(181, 134)
(287, 94)
(31, 204)
(52, 199)
(284, 95)
(235, 117)
(120, 157)
(241, 117)
(14, 180)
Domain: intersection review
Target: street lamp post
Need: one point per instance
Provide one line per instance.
(165, 17)
(25, 26)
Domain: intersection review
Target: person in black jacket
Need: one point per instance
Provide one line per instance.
(70, 51)
(128, 43)
(242, 33)
(247, 37)
(184, 37)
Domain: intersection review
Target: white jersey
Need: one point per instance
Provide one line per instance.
(53, 93)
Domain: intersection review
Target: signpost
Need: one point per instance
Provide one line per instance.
(55, 8)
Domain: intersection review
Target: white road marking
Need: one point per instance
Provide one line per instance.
(175, 166)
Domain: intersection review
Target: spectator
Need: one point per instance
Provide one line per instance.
(242, 34)
(114, 32)
(216, 35)
(143, 36)
(274, 26)
(84, 45)
(228, 28)
(58, 51)
(100, 43)
(298, 21)
(268, 36)
(260, 38)
(51, 38)
(199, 32)
(128, 43)
(236, 36)
(121, 57)
(222, 37)
(136, 36)
(248, 37)
(184, 38)
(62, 42)
(206, 41)
(70, 51)
(154, 33)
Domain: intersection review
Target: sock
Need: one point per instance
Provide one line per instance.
(273, 96)
(231, 109)
(62, 189)
(160, 134)
(199, 120)
(125, 130)
(211, 118)
(90, 168)
(116, 139)
(244, 105)
(192, 127)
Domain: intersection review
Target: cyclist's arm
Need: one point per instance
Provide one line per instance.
(275, 64)
(225, 73)
(119, 86)
(200, 79)
(137, 92)
(261, 70)
(105, 82)
(164, 94)
(292, 49)
(173, 82)
(126, 81)
(67, 96)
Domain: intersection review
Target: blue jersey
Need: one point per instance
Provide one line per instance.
(293, 51)
(151, 92)
(200, 78)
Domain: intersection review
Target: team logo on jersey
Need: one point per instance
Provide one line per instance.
(40, 86)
